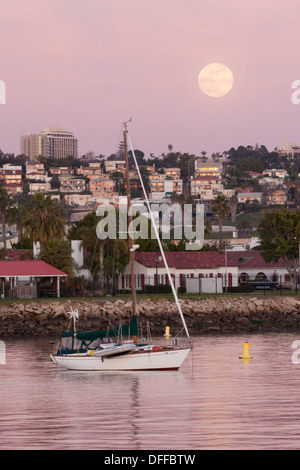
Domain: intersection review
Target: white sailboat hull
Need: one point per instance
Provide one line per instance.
(144, 360)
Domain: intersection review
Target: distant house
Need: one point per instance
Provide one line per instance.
(276, 173)
(249, 197)
(39, 187)
(101, 185)
(278, 197)
(112, 166)
(271, 181)
(61, 170)
(34, 167)
(69, 183)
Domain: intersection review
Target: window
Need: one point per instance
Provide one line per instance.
(244, 277)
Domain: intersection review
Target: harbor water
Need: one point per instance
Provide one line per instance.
(215, 401)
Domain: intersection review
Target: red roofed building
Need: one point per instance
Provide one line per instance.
(252, 266)
(35, 275)
(150, 269)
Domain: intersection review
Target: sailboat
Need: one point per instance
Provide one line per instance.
(118, 349)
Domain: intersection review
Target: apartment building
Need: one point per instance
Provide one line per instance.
(11, 174)
(173, 173)
(30, 146)
(208, 177)
(207, 182)
(164, 184)
(11, 177)
(210, 168)
(51, 143)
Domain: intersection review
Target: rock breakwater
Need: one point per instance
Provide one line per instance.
(51, 318)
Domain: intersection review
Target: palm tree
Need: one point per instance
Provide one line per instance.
(15, 215)
(99, 258)
(57, 252)
(221, 209)
(233, 206)
(43, 219)
(5, 203)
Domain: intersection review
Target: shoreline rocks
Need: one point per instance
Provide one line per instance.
(223, 315)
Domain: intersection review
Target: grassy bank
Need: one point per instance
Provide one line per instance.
(258, 294)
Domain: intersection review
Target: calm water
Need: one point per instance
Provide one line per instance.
(214, 402)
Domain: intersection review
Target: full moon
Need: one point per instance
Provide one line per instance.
(215, 80)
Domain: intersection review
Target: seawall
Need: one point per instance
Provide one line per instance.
(219, 315)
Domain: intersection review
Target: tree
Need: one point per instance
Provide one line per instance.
(102, 256)
(233, 208)
(221, 209)
(5, 203)
(57, 252)
(15, 215)
(245, 226)
(204, 157)
(55, 182)
(43, 219)
(279, 233)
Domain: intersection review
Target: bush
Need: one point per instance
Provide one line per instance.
(181, 290)
(239, 290)
(160, 289)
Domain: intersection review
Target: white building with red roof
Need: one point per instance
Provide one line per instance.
(150, 268)
(252, 266)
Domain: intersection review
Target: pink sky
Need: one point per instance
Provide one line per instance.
(88, 65)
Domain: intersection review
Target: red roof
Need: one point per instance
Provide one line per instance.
(28, 268)
(184, 259)
(252, 259)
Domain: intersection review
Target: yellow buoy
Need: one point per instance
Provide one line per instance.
(167, 332)
(246, 352)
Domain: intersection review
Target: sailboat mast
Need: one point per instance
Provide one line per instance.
(159, 242)
(133, 294)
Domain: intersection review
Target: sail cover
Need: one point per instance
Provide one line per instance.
(129, 329)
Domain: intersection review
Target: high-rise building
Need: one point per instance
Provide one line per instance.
(30, 146)
(50, 143)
